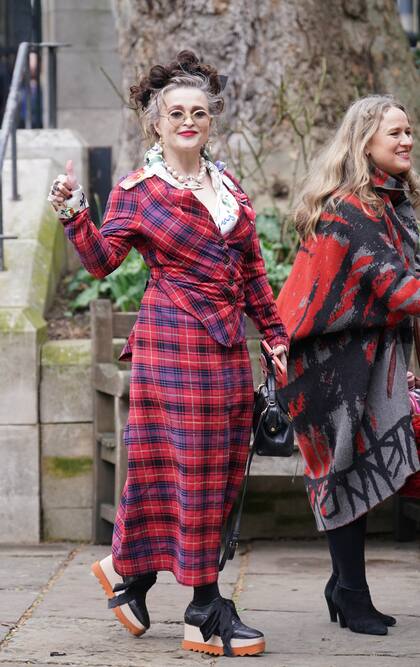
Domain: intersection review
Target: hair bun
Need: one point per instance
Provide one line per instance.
(188, 60)
(160, 76)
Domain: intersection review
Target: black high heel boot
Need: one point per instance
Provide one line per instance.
(355, 612)
(330, 585)
(329, 588)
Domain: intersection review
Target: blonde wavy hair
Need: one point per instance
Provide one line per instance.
(343, 168)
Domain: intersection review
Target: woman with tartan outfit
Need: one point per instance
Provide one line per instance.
(347, 307)
(191, 391)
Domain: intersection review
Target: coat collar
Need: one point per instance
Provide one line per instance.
(394, 186)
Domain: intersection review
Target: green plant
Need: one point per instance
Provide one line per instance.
(278, 256)
(125, 286)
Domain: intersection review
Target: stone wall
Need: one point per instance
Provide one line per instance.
(34, 262)
(66, 440)
(276, 504)
(65, 409)
(87, 101)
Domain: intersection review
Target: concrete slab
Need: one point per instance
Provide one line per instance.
(280, 590)
(27, 572)
(73, 96)
(24, 572)
(21, 332)
(57, 145)
(98, 126)
(19, 501)
(75, 439)
(74, 523)
(73, 382)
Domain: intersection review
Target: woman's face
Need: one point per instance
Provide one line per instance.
(390, 146)
(184, 123)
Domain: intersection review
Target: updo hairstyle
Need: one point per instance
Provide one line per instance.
(147, 97)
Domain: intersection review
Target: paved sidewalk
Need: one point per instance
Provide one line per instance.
(53, 613)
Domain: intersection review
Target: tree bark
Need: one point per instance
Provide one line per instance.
(264, 47)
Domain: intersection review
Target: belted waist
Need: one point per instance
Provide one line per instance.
(215, 291)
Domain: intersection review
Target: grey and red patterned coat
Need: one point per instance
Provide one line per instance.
(347, 307)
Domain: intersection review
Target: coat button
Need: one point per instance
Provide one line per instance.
(232, 300)
(226, 259)
(221, 242)
(231, 281)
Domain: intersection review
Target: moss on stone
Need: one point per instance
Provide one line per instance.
(63, 467)
(74, 352)
(66, 352)
(16, 320)
(48, 229)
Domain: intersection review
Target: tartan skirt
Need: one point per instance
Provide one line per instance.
(187, 434)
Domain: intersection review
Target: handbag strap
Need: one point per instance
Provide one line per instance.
(271, 382)
(234, 525)
(232, 532)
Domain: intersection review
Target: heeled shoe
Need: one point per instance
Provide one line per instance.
(216, 628)
(389, 621)
(354, 611)
(126, 599)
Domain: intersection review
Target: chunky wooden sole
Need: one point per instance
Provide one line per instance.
(123, 613)
(193, 641)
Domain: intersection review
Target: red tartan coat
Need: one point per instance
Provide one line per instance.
(213, 277)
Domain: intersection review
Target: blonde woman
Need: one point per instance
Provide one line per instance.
(347, 307)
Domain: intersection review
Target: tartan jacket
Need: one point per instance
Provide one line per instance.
(213, 277)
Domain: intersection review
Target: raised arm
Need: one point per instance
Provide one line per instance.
(100, 251)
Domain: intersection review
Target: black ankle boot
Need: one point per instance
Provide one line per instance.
(330, 585)
(328, 591)
(354, 609)
(216, 628)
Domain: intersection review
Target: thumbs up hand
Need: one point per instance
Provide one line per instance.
(66, 194)
(71, 178)
(63, 186)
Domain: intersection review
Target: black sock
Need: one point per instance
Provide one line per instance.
(205, 594)
(347, 548)
(142, 582)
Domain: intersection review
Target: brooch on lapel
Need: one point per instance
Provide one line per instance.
(133, 179)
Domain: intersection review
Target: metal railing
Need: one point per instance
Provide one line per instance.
(20, 93)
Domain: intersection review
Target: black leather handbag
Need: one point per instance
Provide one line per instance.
(273, 436)
(272, 423)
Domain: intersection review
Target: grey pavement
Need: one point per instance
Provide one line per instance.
(52, 612)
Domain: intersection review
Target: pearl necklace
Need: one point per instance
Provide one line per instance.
(190, 181)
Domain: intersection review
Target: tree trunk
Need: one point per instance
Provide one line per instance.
(292, 67)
